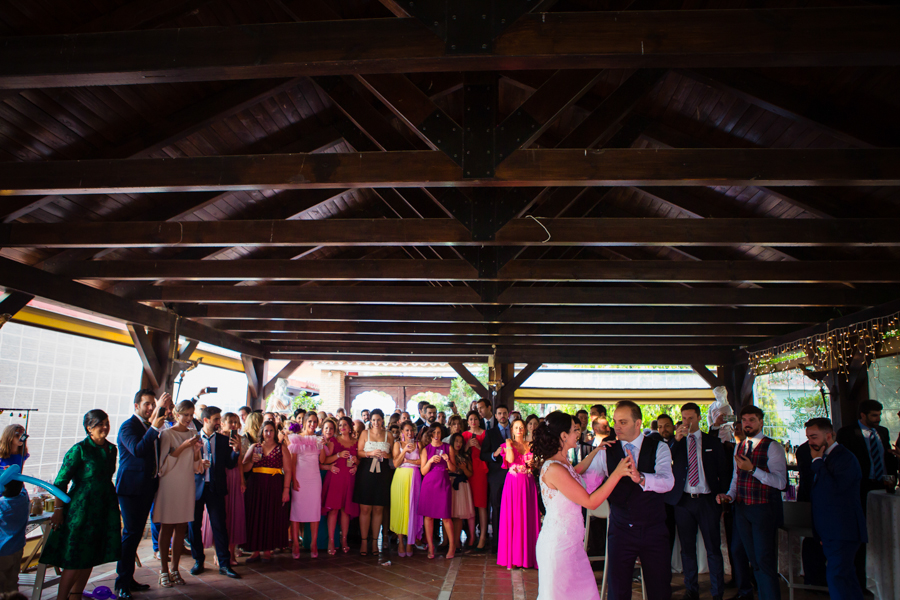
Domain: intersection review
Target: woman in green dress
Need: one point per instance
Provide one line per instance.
(85, 532)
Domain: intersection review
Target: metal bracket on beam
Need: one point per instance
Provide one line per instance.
(444, 134)
(479, 120)
(467, 26)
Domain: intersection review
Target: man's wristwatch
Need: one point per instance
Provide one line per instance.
(643, 480)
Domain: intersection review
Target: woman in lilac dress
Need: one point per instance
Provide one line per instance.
(305, 448)
(339, 456)
(520, 521)
(434, 497)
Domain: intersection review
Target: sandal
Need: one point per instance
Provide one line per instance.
(364, 548)
(331, 550)
(344, 547)
(314, 553)
(164, 580)
(175, 577)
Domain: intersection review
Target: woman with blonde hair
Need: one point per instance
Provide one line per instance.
(173, 509)
(252, 426)
(13, 449)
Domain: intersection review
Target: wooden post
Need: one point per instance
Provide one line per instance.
(153, 348)
(846, 392)
(508, 391)
(255, 369)
(739, 383)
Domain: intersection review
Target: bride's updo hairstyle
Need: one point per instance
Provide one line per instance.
(546, 440)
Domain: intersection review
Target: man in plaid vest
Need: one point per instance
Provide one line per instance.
(760, 473)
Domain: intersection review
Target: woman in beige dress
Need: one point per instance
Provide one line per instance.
(173, 509)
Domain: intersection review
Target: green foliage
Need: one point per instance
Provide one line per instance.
(462, 394)
(306, 402)
(441, 402)
(805, 408)
(774, 426)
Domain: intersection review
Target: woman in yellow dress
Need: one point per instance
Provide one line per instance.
(405, 518)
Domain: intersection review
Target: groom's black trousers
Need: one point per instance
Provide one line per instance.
(650, 543)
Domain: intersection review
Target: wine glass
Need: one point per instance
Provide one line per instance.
(890, 483)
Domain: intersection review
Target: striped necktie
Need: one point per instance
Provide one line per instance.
(693, 469)
(877, 464)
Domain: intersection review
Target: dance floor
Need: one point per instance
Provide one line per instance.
(350, 576)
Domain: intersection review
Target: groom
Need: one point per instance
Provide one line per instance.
(637, 520)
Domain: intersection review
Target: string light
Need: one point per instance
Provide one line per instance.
(833, 349)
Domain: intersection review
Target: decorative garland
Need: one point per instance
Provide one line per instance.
(833, 349)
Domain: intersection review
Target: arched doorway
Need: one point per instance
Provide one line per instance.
(439, 400)
(370, 400)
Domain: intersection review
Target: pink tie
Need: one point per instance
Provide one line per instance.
(693, 470)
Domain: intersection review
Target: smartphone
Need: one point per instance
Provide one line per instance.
(234, 434)
(729, 418)
(23, 438)
(161, 412)
(210, 390)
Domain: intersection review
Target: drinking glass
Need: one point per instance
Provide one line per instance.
(890, 483)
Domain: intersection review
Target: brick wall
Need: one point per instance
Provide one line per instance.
(331, 390)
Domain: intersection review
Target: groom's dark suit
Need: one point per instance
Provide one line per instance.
(495, 438)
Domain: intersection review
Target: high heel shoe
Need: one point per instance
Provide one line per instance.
(331, 550)
(364, 548)
(344, 547)
(314, 553)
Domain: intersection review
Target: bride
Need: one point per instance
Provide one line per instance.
(564, 571)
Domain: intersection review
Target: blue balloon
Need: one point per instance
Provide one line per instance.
(14, 472)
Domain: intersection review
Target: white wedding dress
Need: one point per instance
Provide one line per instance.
(564, 571)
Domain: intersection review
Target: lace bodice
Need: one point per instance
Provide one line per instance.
(371, 446)
(561, 511)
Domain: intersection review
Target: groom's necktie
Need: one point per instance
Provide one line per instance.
(693, 468)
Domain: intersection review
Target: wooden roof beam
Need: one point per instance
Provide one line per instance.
(555, 296)
(524, 168)
(437, 232)
(679, 38)
(28, 280)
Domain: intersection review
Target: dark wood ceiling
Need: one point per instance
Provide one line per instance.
(670, 180)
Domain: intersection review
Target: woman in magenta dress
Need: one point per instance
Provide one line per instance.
(519, 517)
(305, 448)
(478, 482)
(268, 495)
(434, 495)
(339, 456)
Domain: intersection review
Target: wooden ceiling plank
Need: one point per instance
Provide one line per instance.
(524, 168)
(679, 38)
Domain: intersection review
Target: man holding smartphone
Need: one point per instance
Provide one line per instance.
(137, 480)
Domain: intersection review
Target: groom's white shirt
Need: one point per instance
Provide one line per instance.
(661, 482)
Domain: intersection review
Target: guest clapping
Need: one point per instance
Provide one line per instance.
(268, 495)
(86, 532)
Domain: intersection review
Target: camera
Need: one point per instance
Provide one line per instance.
(210, 390)
(729, 419)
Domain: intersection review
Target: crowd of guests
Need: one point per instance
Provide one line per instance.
(259, 483)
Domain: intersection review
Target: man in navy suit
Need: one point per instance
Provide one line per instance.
(219, 454)
(491, 454)
(137, 480)
(838, 519)
(700, 468)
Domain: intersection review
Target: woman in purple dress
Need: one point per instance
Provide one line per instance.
(268, 495)
(434, 496)
(339, 456)
(520, 522)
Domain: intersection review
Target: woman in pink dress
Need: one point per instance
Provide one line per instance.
(519, 516)
(337, 491)
(437, 460)
(305, 448)
(478, 482)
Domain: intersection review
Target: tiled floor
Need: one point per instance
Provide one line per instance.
(350, 576)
